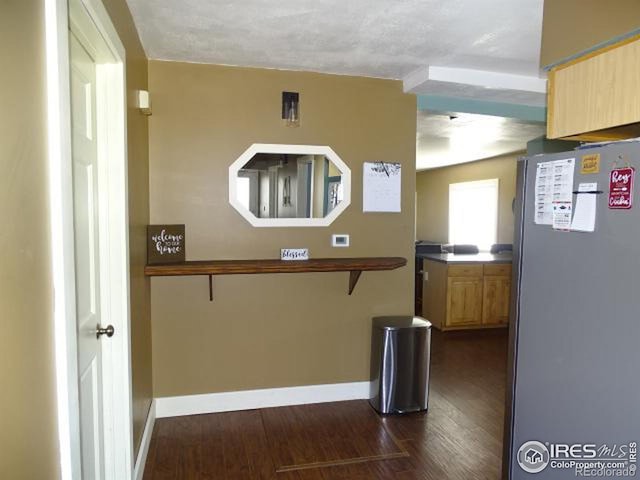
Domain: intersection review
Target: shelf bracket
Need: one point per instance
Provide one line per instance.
(354, 276)
(211, 288)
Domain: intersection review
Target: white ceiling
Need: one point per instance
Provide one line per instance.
(374, 38)
(443, 141)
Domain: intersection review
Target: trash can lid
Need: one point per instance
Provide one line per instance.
(400, 321)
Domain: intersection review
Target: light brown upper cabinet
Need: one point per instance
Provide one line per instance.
(597, 96)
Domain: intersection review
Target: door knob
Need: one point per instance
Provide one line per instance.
(109, 331)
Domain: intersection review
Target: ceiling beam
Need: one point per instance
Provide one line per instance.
(478, 78)
(437, 103)
(415, 79)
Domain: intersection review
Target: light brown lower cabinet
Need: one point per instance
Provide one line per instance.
(466, 296)
(464, 301)
(495, 303)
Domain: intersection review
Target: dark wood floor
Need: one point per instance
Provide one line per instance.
(459, 438)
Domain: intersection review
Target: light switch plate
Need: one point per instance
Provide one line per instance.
(340, 240)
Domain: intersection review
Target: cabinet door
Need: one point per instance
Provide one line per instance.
(495, 304)
(596, 92)
(464, 301)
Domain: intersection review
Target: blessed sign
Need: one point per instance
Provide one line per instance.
(621, 188)
(294, 254)
(165, 244)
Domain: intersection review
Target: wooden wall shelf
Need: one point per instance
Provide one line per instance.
(355, 267)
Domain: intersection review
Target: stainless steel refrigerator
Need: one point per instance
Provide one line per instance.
(573, 402)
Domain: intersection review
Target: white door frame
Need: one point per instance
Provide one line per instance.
(114, 235)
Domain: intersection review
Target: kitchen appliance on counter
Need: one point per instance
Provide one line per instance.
(461, 249)
(425, 246)
(575, 328)
(497, 248)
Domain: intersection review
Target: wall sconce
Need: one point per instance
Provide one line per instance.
(144, 102)
(291, 108)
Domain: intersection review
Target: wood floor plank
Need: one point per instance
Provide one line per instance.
(246, 450)
(459, 438)
(213, 447)
(151, 454)
(306, 436)
(166, 451)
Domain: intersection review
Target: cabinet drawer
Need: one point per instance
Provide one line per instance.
(466, 270)
(501, 270)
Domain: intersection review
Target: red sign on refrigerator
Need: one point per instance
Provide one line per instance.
(621, 188)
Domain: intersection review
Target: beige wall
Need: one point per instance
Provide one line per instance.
(138, 155)
(432, 188)
(270, 330)
(28, 439)
(570, 26)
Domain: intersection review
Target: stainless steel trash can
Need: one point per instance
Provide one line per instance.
(400, 363)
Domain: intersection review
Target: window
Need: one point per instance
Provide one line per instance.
(473, 213)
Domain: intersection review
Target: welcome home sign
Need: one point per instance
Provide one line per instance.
(165, 244)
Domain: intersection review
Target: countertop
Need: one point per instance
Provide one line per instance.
(466, 258)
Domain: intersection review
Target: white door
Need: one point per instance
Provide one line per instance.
(87, 255)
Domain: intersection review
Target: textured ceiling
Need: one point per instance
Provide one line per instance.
(376, 38)
(442, 140)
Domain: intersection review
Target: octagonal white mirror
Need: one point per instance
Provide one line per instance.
(273, 185)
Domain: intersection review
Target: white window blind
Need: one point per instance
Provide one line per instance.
(473, 213)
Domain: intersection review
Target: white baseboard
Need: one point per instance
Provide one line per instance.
(265, 398)
(141, 460)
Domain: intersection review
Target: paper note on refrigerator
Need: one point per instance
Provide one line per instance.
(561, 217)
(544, 193)
(554, 183)
(563, 180)
(584, 217)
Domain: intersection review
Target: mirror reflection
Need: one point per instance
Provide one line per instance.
(273, 185)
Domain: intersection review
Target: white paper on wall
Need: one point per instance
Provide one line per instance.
(381, 189)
